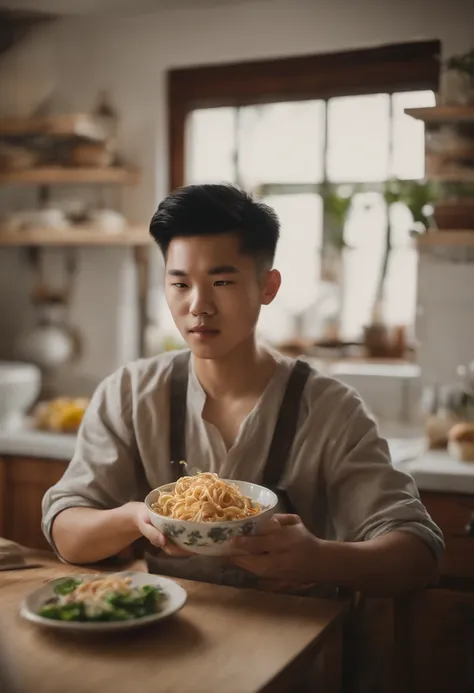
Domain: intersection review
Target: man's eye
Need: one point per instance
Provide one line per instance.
(223, 282)
(179, 285)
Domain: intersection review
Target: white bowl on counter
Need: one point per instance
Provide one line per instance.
(20, 385)
(213, 538)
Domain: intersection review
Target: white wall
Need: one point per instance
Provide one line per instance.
(130, 57)
(445, 323)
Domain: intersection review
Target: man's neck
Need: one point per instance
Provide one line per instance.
(244, 371)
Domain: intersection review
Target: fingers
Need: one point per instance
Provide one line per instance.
(268, 526)
(158, 539)
(152, 534)
(286, 520)
(273, 541)
(258, 544)
(258, 564)
(173, 550)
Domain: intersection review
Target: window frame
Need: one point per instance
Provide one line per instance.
(388, 69)
(400, 67)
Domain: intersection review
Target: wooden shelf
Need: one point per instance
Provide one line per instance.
(443, 114)
(76, 236)
(62, 126)
(461, 176)
(61, 175)
(445, 238)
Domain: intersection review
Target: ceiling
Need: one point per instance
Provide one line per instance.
(108, 7)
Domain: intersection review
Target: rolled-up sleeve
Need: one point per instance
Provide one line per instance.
(103, 470)
(367, 497)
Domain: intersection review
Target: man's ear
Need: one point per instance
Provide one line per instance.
(271, 285)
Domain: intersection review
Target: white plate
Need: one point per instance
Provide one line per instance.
(175, 599)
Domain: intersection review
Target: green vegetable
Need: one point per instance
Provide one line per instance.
(64, 612)
(142, 603)
(51, 611)
(67, 586)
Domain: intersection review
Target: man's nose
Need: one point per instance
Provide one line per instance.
(202, 303)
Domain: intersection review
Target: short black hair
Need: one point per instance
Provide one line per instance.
(215, 209)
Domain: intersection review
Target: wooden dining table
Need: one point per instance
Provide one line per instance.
(223, 640)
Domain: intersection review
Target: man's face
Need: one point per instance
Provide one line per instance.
(215, 292)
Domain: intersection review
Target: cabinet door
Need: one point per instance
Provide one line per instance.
(453, 512)
(435, 638)
(27, 480)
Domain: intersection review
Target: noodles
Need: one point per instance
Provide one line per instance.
(96, 590)
(205, 498)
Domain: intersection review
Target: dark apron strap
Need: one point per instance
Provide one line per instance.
(178, 409)
(285, 431)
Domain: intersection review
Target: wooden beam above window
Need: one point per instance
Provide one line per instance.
(407, 66)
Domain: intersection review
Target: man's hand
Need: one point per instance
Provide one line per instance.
(153, 535)
(383, 566)
(288, 553)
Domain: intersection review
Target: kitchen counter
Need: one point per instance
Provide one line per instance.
(433, 470)
(28, 442)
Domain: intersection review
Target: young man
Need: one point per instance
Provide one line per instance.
(234, 407)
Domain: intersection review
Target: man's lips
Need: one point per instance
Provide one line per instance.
(203, 330)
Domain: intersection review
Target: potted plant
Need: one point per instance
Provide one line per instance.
(457, 80)
(418, 197)
(463, 64)
(376, 333)
(455, 207)
(337, 204)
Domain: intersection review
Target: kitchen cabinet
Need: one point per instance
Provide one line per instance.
(454, 512)
(23, 483)
(434, 629)
(435, 642)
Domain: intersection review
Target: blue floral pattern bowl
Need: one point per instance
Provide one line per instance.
(213, 538)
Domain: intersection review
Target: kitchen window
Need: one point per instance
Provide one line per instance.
(287, 148)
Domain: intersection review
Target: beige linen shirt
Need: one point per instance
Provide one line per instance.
(339, 474)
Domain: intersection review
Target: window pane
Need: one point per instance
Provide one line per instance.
(400, 283)
(364, 233)
(210, 145)
(401, 221)
(409, 134)
(297, 258)
(281, 143)
(400, 286)
(358, 138)
(366, 223)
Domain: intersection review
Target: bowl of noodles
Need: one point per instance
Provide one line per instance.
(203, 513)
